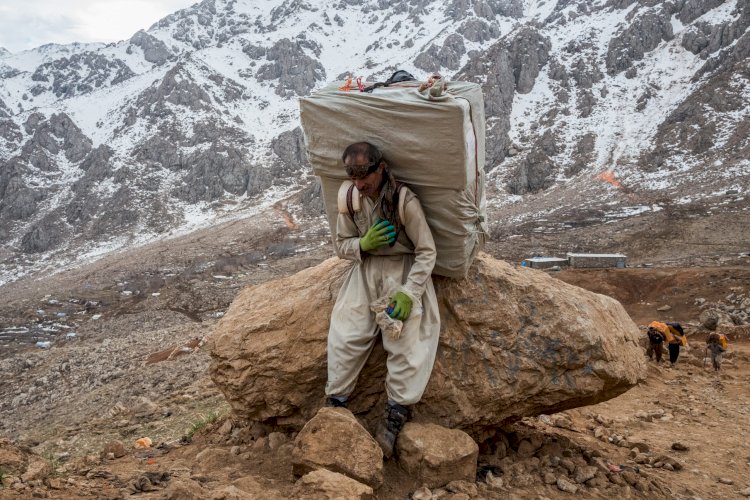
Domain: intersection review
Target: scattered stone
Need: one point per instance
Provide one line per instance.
(437, 455)
(630, 477)
(600, 464)
(260, 444)
(583, 474)
(568, 464)
(565, 485)
(116, 448)
(212, 459)
(226, 428)
(251, 486)
(640, 446)
(144, 442)
(745, 492)
(38, 468)
(493, 482)
(563, 422)
(724, 480)
(334, 439)
(422, 493)
(549, 478)
(465, 487)
(677, 446)
(615, 478)
(323, 483)
(664, 308)
(526, 449)
(665, 460)
(276, 439)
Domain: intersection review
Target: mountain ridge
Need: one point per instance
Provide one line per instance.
(108, 145)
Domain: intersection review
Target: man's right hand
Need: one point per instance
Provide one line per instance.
(380, 234)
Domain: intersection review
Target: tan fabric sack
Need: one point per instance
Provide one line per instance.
(433, 144)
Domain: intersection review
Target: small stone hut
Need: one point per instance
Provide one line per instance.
(544, 262)
(596, 260)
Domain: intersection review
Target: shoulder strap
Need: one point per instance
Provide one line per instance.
(348, 199)
(401, 200)
(349, 204)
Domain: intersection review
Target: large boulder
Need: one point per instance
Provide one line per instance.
(514, 342)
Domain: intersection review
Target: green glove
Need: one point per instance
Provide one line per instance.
(401, 304)
(381, 233)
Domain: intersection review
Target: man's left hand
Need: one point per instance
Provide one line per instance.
(401, 306)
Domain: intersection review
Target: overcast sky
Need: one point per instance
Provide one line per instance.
(25, 24)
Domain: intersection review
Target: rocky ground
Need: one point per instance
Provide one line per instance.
(125, 361)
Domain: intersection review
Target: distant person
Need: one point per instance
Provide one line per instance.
(716, 346)
(678, 339)
(655, 341)
(674, 335)
(383, 230)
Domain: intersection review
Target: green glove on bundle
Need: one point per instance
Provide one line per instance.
(401, 305)
(380, 234)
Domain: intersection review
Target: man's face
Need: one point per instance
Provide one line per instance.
(368, 185)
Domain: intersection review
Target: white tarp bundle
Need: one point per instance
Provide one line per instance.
(434, 145)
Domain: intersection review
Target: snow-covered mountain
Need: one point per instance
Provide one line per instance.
(104, 146)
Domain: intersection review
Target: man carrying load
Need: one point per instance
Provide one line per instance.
(716, 344)
(674, 334)
(655, 341)
(382, 228)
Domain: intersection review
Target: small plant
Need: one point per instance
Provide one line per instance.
(54, 463)
(201, 424)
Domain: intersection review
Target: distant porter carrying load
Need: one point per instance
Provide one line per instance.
(433, 141)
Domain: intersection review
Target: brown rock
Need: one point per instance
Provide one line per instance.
(251, 485)
(213, 459)
(184, 489)
(615, 478)
(231, 492)
(641, 446)
(526, 449)
(38, 469)
(630, 477)
(677, 446)
(422, 493)
(466, 487)
(568, 465)
(494, 483)
(335, 440)
(583, 474)
(276, 439)
(323, 484)
(543, 346)
(436, 455)
(567, 486)
(116, 448)
(12, 457)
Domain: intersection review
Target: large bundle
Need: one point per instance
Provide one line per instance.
(434, 145)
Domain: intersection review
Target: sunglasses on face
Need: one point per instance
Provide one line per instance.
(361, 171)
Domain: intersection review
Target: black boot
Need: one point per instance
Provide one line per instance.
(337, 402)
(395, 418)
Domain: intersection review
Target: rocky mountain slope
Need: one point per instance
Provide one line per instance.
(599, 110)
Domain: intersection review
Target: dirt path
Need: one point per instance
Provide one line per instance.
(67, 402)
